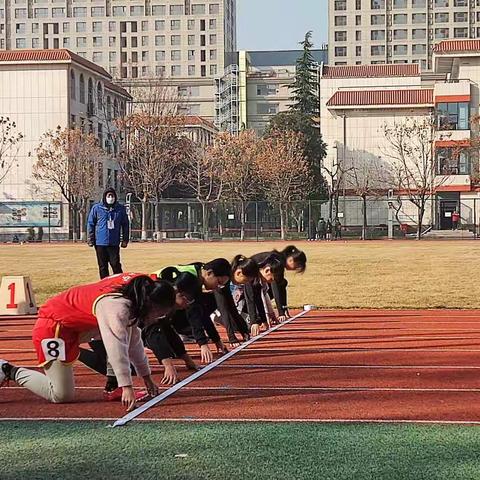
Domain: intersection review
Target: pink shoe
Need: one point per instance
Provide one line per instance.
(116, 394)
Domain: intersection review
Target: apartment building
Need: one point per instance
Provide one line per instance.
(40, 91)
(397, 31)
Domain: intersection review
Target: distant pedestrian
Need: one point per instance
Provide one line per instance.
(329, 229)
(337, 228)
(312, 231)
(321, 229)
(455, 219)
(108, 228)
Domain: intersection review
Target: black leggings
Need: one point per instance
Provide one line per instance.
(229, 316)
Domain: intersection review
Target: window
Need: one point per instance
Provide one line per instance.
(453, 116)
(460, 16)
(66, 42)
(176, 9)
(267, 108)
(112, 41)
(81, 42)
(79, 11)
(176, 70)
(213, 39)
(400, 19)
(203, 71)
(340, 21)
(213, 55)
(160, 70)
(35, 43)
(81, 27)
(191, 70)
(419, 3)
(119, 11)
(442, 32)
(397, 34)
(450, 161)
(399, 3)
(267, 90)
(460, 3)
(175, 25)
(340, 5)
(441, 18)
(159, 40)
(136, 10)
(98, 11)
(176, 55)
(358, 35)
(159, 10)
(441, 3)
(134, 42)
(112, 26)
(73, 85)
(20, 13)
(419, 17)
(191, 55)
(377, 4)
(35, 28)
(212, 24)
(377, 50)
(419, 33)
(400, 49)
(202, 56)
(358, 4)
(377, 34)
(20, 28)
(97, 27)
(214, 9)
(419, 49)
(175, 40)
(358, 50)
(191, 24)
(144, 25)
(341, 36)
(340, 51)
(377, 20)
(191, 39)
(144, 56)
(97, 57)
(358, 20)
(97, 41)
(159, 25)
(213, 70)
(160, 55)
(82, 89)
(58, 12)
(41, 12)
(112, 57)
(460, 32)
(21, 43)
(198, 9)
(144, 41)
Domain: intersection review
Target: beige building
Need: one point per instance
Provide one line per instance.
(397, 31)
(357, 102)
(41, 90)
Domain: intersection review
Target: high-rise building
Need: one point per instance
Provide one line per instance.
(181, 41)
(397, 31)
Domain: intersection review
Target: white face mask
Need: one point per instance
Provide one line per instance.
(110, 199)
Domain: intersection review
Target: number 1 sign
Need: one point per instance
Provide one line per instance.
(16, 296)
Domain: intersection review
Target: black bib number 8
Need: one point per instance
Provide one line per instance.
(53, 349)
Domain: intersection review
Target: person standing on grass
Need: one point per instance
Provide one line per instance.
(114, 308)
(321, 229)
(328, 230)
(108, 229)
(455, 219)
(337, 227)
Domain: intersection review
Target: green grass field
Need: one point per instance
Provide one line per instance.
(377, 274)
(240, 451)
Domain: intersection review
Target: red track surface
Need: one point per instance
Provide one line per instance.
(350, 365)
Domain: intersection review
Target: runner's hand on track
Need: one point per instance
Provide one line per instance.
(221, 348)
(152, 389)
(282, 318)
(128, 398)
(205, 354)
(255, 329)
(170, 376)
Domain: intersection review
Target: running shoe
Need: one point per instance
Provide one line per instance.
(114, 395)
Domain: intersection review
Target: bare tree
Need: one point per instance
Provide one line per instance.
(412, 154)
(152, 149)
(237, 154)
(202, 173)
(68, 159)
(367, 177)
(9, 145)
(284, 171)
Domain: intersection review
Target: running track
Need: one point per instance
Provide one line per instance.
(324, 366)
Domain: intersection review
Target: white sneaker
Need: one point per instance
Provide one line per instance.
(3, 377)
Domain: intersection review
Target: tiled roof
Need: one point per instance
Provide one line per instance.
(59, 55)
(452, 46)
(381, 97)
(194, 120)
(54, 55)
(367, 71)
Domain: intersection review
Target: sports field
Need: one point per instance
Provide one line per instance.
(334, 394)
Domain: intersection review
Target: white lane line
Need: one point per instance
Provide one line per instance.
(381, 367)
(154, 401)
(272, 351)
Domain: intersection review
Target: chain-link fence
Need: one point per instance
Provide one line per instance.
(176, 219)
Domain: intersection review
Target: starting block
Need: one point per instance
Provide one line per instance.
(16, 296)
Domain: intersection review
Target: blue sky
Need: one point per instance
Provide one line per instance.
(280, 24)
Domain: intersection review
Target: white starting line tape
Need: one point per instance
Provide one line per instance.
(154, 401)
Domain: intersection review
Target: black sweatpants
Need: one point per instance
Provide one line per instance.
(229, 316)
(108, 255)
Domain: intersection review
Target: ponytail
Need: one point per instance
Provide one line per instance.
(299, 257)
(248, 266)
(184, 282)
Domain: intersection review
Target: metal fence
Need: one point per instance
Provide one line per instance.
(178, 219)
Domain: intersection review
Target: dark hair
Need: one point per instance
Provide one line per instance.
(184, 282)
(298, 256)
(142, 291)
(220, 267)
(248, 266)
(275, 264)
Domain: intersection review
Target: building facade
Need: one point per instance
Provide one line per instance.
(40, 91)
(358, 102)
(397, 31)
